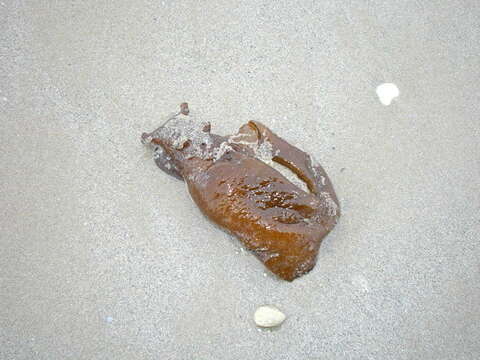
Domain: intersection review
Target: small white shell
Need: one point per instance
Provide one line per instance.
(268, 316)
(387, 92)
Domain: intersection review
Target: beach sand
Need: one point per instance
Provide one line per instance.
(103, 256)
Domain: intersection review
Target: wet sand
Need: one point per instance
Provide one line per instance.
(103, 256)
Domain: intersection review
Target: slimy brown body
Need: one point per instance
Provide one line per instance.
(234, 182)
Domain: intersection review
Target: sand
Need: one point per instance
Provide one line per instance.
(103, 256)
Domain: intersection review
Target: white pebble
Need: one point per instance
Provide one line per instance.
(268, 316)
(387, 92)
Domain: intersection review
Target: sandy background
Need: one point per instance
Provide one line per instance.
(102, 256)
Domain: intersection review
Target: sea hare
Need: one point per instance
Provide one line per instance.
(269, 194)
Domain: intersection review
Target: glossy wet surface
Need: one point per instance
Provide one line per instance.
(231, 180)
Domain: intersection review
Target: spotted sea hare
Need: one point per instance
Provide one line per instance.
(269, 194)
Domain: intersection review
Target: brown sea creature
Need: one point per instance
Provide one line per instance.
(266, 192)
